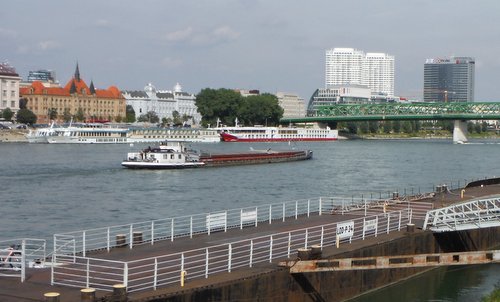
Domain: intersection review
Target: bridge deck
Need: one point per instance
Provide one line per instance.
(38, 280)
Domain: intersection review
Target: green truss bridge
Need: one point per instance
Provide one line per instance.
(458, 112)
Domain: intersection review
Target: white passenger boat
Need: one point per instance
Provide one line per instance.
(89, 134)
(276, 134)
(169, 155)
(40, 135)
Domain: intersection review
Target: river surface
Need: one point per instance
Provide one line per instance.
(46, 189)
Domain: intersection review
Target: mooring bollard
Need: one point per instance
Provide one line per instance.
(304, 254)
(137, 237)
(121, 240)
(51, 297)
(87, 295)
(119, 293)
(315, 252)
(410, 228)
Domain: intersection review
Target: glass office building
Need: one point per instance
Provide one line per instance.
(449, 80)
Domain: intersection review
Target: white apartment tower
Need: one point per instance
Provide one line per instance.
(346, 66)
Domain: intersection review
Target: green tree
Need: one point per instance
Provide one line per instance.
(80, 115)
(150, 117)
(227, 105)
(7, 114)
(352, 127)
(176, 118)
(130, 114)
(396, 126)
(67, 115)
(373, 126)
(166, 121)
(407, 127)
(52, 113)
(387, 127)
(118, 119)
(221, 103)
(26, 116)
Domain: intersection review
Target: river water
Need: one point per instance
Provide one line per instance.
(47, 189)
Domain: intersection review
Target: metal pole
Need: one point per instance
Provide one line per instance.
(251, 253)
(271, 249)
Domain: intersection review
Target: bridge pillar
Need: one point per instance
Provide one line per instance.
(460, 132)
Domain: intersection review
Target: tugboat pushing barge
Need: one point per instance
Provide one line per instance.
(175, 155)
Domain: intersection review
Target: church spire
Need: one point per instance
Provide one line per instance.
(92, 88)
(77, 73)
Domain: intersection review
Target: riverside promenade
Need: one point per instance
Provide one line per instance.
(38, 280)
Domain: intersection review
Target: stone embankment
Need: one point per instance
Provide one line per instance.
(13, 136)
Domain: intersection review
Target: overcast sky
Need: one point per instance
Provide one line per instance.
(267, 45)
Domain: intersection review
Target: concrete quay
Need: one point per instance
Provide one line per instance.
(268, 281)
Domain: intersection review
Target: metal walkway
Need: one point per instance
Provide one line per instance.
(385, 262)
(475, 214)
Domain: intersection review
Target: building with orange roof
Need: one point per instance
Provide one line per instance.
(75, 99)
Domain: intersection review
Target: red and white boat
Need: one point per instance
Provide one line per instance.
(276, 134)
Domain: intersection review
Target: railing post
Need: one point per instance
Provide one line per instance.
(191, 226)
(376, 226)
(251, 253)
(152, 232)
(296, 208)
(241, 219)
(225, 223)
(172, 230)
(182, 262)
(399, 222)
(229, 257)
(87, 274)
(52, 268)
(108, 241)
(270, 212)
(131, 236)
(289, 243)
(308, 207)
(271, 249)
(83, 244)
(306, 238)
(206, 263)
(388, 222)
(23, 260)
(284, 212)
(155, 280)
(322, 235)
(320, 206)
(125, 274)
(364, 223)
(256, 216)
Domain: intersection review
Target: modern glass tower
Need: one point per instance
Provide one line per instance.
(449, 80)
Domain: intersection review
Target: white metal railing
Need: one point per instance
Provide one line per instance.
(154, 272)
(149, 232)
(15, 254)
(479, 213)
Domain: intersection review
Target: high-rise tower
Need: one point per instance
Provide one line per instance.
(449, 80)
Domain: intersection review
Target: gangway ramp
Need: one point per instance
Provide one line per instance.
(474, 214)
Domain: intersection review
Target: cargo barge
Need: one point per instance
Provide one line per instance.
(175, 155)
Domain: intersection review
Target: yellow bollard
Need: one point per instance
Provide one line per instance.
(183, 277)
(337, 241)
(462, 193)
(52, 297)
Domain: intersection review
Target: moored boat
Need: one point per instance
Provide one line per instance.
(276, 134)
(175, 155)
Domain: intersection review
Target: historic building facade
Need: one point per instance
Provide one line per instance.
(9, 87)
(163, 102)
(75, 99)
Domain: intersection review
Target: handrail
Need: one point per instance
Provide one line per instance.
(154, 272)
